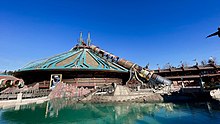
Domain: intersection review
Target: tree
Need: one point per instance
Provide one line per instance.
(212, 60)
(167, 66)
(10, 73)
(185, 64)
(203, 62)
(215, 60)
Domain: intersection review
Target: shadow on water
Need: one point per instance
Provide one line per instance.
(68, 111)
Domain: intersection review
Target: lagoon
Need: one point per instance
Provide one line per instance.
(69, 112)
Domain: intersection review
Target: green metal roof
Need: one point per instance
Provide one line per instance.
(76, 58)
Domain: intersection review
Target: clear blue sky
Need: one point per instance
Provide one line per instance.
(142, 31)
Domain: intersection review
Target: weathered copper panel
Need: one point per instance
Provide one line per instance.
(67, 60)
(90, 60)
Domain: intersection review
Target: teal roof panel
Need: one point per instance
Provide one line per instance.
(76, 58)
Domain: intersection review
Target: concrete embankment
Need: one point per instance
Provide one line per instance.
(123, 94)
(120, 94)
(4, 104)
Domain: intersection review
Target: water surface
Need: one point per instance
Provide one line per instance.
(68, 112)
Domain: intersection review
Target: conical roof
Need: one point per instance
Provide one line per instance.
(81, 57)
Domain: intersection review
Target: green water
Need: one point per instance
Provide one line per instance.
(68, 112)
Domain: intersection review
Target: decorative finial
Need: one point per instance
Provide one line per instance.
(80, 39)
(88, 39)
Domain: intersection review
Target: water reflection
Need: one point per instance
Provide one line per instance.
(67, 111)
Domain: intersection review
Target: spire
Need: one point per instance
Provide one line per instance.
(88, 39)
(80, 39)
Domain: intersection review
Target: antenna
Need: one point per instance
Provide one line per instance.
(80, 39)
(88, 39)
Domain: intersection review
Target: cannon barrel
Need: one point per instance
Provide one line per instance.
(143, 72)
(159, 79)
(128, 65)
(102, 53)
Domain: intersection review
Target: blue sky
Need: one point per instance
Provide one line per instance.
(142, 31)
